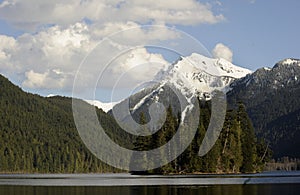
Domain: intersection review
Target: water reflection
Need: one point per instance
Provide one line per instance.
(277, 189)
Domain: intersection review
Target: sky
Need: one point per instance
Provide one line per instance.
(96, 47)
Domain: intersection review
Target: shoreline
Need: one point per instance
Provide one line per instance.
(117, 179)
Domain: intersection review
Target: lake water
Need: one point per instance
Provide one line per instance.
(282, 183)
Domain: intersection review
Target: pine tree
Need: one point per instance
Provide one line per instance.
(237, 147)
(197, 161)
(210, 161)
(247, 140)
(167, 133)
(140, 160)
(231, 138)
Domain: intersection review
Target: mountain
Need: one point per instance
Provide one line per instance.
(186, 80)
(179, 90)
(38, 134)
(272, 98)
(101, 105)
(200, 75)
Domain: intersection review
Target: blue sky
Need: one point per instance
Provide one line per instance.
(258, 33)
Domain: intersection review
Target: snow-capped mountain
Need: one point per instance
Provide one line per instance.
(271, 96)
(283, 74)
(201, 75)
(289, 61)
(104, 106)
(266, 82)
(180, 85)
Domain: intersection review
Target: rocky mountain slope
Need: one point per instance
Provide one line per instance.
(272, 98)
(271, 95)
(189, 78)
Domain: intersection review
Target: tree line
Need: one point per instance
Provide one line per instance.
(236, 150)
(38, 134)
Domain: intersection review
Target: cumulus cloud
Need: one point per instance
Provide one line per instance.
(222, 51)
(7, 47)
(135, 66)
(131, 32)
(32, 13)
(50, 59)
(45, 57)
(60, 34)
(46, 80)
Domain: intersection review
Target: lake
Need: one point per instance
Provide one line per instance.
(125, 184)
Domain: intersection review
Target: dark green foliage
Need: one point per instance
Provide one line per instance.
(235, 151)
(248, 140)
(286, 132)
(142, 143)
(38, 134)
(231, 154)
(272, 99)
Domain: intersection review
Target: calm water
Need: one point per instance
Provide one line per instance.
(279, 189)
(281, 183)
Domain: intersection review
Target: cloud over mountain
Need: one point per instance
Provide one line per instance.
(58, 35)
(222, 51)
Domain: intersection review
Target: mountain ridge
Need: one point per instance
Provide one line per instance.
(271, 94)
(268, 94)
(180, 86)
(202, 74)
(38, 134)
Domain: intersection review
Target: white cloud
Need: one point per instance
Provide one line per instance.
(222, 51)
(8, 46)
(46, 59)
(49, 57)
(136, 66)
(31, 13)
(46, 80)
(126, 34)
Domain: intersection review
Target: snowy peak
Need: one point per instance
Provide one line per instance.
(217, 67)
(200, 75)
(104, 106)
(289, 61)
(285, 73)
(194, 76)
(189, 78)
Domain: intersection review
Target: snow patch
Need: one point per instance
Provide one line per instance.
(101, 105)
(143, 100)
(196, 76)
(51, 95)
(290, 61)
(202, 75)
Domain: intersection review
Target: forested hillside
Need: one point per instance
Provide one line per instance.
(272, 99)
(38, 134)
(236, 150)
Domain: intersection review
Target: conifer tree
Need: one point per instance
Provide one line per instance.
(247, 140)
(139, 159)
